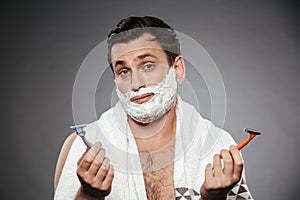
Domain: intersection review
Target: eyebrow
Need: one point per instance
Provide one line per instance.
(119, 62)
(140, 57)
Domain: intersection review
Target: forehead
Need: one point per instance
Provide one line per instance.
(146, 42)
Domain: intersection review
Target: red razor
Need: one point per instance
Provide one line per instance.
(252, 134)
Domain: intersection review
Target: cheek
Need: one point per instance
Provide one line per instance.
(123, 87)
(155, 77)
(160, 77)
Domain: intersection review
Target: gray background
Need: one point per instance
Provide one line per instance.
(255, 45)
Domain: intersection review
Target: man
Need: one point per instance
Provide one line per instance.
(152, 144)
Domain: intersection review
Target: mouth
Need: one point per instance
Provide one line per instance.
(142, 98)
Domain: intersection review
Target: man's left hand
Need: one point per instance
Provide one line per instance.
(220, 180)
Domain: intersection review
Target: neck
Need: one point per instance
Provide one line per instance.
(156, 135)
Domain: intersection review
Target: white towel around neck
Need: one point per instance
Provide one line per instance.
(197, 140)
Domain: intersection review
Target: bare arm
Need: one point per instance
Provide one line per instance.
(62, 157)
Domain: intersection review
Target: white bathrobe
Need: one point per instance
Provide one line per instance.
(197, 140)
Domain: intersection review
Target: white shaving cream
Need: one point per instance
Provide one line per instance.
(162, 101)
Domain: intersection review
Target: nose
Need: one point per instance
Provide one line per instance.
(137, 80)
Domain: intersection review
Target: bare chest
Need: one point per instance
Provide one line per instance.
(158, 171)
(159, 184)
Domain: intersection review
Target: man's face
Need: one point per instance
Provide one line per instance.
(139, 63)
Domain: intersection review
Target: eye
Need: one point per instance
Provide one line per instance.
(123, 72)
(149, 66)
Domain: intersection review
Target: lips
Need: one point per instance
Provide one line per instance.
(142, 98)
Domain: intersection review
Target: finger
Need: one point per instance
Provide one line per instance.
(228, 163)
(100, 156)
(209, 173)
(217, 165)
(89, 157)
(97, 162)
(81, 157)
(102, 172)
(109, 178)
(238, 162)
(93, 151)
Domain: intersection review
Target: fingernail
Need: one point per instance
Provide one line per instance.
(98, 144)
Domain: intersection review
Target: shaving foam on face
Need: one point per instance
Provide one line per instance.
(162, 101)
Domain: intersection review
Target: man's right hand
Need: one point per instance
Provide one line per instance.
(95, 174)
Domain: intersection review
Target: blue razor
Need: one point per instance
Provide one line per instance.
(81, 132)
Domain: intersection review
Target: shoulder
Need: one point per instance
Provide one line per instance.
(63, 156)
(225, 137)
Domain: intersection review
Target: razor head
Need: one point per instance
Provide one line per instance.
(80, 129)
(252, 131)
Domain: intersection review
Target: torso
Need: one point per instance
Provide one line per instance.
(158, 171)
(156, 146)
(159, 184)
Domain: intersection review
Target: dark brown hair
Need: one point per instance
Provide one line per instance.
(132, 28)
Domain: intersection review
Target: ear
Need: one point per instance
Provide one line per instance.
(179, 67)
